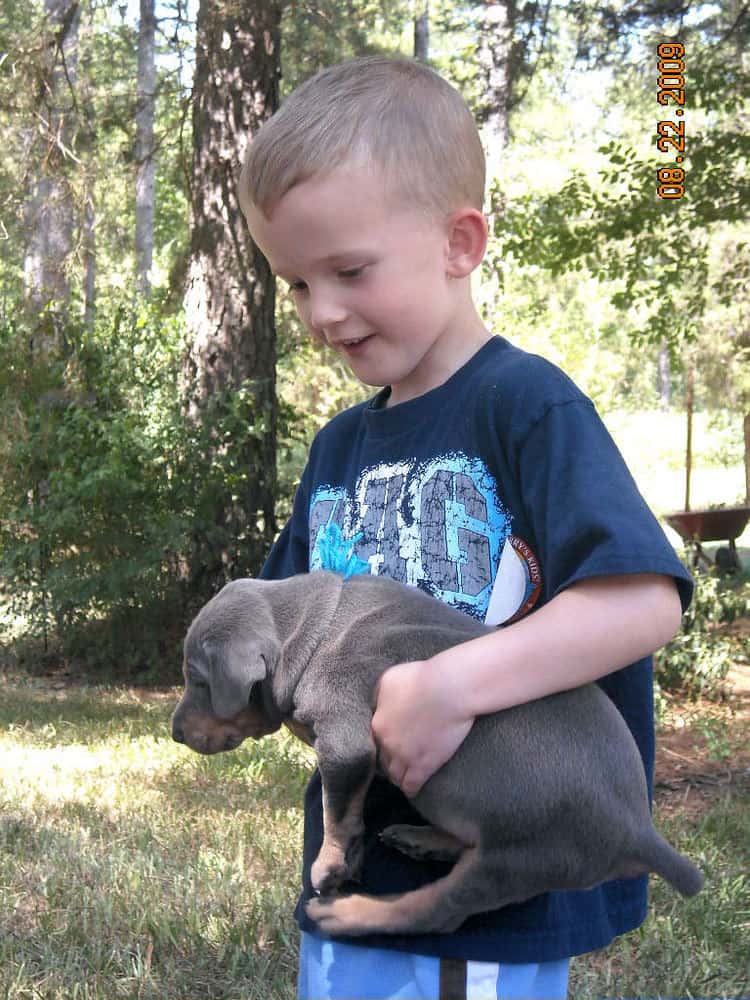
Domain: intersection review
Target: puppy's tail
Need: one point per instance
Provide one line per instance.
(675, 868)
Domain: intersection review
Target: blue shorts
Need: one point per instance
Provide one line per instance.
(330, 970)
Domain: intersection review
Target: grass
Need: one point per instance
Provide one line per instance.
(132, 868)
(695, 948)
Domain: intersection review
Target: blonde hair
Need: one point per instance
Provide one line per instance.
(395, 113)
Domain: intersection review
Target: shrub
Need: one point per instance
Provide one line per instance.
(87, 527)
(698, 659)
(108, 494)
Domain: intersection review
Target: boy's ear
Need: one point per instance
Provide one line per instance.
(466, 229)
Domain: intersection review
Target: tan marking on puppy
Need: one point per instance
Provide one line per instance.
(340, 855)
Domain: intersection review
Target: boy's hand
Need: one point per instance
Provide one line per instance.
(418, 722)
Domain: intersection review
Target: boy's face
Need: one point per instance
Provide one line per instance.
(370, 278)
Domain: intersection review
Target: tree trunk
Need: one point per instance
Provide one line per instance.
(422, 31)
(499, 64)
(88, 245)
(49, 208)
(231, 357)
(497, 61)
(145, 181)
(664, 379)
(87, 143)
(746, 426)
(689, 403)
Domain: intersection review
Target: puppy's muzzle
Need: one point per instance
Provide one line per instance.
(203, 743)
(205, 733)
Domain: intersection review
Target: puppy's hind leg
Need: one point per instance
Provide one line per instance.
(423, 843)
(472, 886)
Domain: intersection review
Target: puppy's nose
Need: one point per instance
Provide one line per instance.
(177, 733)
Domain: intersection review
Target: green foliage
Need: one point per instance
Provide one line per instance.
(98, 160)
(108, 492)
(657, 257)
(313, 385)
(675, 270)
(89, 529)
(319, 34)
(698, 659)
(108, 488)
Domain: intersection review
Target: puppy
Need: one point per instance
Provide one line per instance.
(544, 796)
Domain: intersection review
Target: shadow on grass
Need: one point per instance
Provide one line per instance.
(129, 733)
(267, 774)
(78, 714)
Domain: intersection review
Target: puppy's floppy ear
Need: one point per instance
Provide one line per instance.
(237, 665)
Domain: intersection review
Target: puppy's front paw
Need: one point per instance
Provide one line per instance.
(338, 915)
(332, 867)
(327, 876)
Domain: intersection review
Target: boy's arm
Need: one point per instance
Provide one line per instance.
(425, 709)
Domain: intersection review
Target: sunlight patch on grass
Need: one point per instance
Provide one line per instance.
(76, 771)
(130, 866)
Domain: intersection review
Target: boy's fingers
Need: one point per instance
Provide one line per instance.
(394, 771)
(410, 784)
(400, 775)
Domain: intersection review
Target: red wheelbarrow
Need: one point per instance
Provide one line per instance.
(714, 524)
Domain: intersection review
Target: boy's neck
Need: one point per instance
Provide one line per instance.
(464, 344)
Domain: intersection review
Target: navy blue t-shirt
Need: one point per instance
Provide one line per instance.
(498, 489)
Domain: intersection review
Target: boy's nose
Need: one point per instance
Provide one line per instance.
(325, 310)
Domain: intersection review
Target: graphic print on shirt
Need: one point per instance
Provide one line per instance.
(440, 526)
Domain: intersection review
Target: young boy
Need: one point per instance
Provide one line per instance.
(479, 473)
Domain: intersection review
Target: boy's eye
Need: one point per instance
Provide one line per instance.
(347, 273)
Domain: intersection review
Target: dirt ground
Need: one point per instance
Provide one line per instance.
(703, 751)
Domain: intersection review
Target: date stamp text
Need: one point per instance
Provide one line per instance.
(671, 134)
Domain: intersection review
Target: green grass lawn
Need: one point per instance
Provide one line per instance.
(133, 868)
(695, 948)
(130, 867)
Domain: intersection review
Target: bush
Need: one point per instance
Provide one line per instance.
(87, 524)
(109, 496)
(698, 659)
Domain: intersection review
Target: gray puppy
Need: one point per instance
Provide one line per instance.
(547, 795)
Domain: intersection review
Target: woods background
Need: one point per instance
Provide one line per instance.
(157, 395)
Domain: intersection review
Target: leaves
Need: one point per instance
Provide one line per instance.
(654, 253)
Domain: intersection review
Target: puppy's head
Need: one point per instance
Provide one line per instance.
(229, 651)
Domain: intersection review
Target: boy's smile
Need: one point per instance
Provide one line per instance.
(373, 278)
